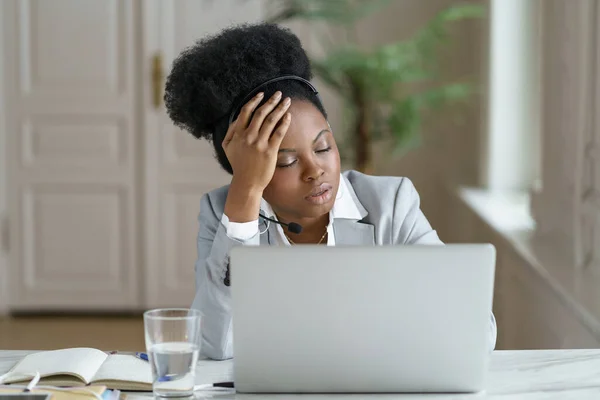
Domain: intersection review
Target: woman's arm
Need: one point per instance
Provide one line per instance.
(213, 297)
(411, 227)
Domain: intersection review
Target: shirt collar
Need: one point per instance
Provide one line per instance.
(343, 207)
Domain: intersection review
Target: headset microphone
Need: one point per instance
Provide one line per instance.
(292, 226)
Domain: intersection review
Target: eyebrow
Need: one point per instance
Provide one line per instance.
(314, 141)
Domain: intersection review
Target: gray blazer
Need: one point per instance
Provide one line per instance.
(390, 214)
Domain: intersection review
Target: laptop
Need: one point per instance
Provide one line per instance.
(353, 319)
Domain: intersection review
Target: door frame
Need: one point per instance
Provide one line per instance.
(4, 308)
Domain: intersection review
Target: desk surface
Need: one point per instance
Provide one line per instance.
(524, 375)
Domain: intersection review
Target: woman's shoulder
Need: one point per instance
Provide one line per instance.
(380, 187)
(214, 200)
(383, 197)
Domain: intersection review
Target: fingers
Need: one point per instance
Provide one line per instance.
(273, 119)
(229, 135)
(243, 118)
(260, 115)
(279, 134)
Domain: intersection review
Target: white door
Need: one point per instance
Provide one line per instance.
(178, 168)
(72, 148)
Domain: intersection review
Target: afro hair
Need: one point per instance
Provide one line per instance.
(209, 78)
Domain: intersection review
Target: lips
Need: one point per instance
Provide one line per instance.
(320, 194)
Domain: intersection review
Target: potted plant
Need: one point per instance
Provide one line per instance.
(383, 87)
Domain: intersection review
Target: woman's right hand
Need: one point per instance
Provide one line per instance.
(251, 146)
(252, 141)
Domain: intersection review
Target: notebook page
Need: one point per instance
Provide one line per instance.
(82, 362)
(126, 368)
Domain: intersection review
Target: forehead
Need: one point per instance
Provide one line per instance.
(307, 122)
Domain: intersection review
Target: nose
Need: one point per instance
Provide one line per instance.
(313, 171)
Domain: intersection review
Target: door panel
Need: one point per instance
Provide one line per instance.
(72, 154)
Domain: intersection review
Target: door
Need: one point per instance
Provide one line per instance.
(179, 169)
(72, 153)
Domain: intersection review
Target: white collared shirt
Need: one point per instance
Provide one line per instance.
(343, 207)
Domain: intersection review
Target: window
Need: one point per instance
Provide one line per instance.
(513, 146)
(544, 117)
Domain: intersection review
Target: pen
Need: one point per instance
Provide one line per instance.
(138, 354)
(167, 378)
(223, 385)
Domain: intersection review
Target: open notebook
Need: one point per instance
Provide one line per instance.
(83, 366)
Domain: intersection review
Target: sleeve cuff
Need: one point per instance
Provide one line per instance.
(241, 231)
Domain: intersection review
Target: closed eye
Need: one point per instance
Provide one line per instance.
(295, 161)
(287, 165)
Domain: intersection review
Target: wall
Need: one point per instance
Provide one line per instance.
(534, 305)
(450, 151)
(567, 204)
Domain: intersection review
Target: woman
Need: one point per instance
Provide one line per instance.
(247, 90)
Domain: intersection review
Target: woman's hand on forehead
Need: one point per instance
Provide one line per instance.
(253, 140)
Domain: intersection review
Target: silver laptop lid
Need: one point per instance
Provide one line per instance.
(361, 319)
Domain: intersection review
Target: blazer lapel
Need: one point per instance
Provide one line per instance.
(352, 232)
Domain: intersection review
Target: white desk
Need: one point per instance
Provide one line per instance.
(523, 375)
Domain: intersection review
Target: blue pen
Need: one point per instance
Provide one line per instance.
(138, 354)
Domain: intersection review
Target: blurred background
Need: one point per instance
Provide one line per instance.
(491, 107)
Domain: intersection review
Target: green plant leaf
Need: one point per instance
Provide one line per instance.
(443, 95)
(340, 12)
(404, 120)
(428, 39)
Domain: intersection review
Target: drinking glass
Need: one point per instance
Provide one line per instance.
(173, 344)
